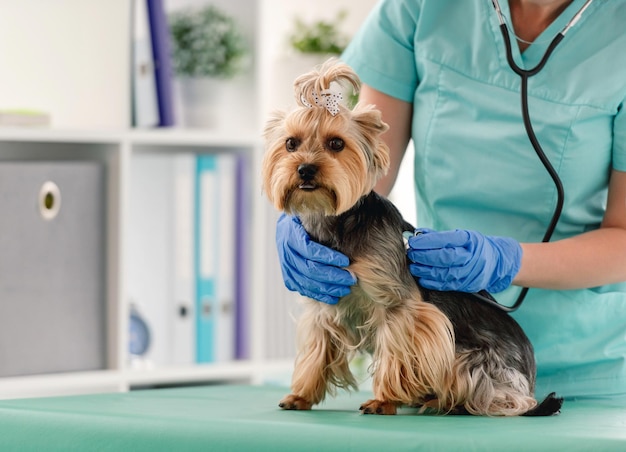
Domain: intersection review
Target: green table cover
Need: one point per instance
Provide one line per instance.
(231, 418)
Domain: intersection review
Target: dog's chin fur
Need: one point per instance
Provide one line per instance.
(298, 201)
(437, 350)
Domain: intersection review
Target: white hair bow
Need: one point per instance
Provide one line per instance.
(329, 99)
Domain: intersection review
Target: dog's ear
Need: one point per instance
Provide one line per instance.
(371, 127)
(275, 120)
(272, 134)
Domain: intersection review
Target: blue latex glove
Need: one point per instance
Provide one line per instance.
(309, 268)
(464, 261)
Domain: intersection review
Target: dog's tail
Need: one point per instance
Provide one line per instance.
(550, 406)
(310, 87)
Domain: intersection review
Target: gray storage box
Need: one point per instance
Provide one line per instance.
(52, 267)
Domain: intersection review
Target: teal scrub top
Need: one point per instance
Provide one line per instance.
(475, 167)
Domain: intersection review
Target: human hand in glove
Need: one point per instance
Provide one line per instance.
(309, 268)
(464, 261)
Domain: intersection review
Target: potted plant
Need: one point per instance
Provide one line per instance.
(207, 47)
(322, 38)
(310, 44)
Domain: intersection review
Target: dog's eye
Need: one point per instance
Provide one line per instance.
(335, 144)
(292, 144)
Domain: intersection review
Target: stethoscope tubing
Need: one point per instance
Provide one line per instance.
(525, 74)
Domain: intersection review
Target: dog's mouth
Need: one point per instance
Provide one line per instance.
(308, 186)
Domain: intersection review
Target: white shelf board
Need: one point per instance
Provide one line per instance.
(69, 383)
(52, 135)
(192, 137)
(256, 373)
(104, 381)
(166, 136)
(236, 370)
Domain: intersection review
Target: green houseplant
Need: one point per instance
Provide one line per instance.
(319, 37)
(208, 50)
(206, 42)
(314, 42)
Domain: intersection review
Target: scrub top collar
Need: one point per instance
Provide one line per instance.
(535, 51)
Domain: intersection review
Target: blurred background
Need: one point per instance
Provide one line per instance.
(167, 86)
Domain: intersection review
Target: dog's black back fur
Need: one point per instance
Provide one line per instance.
(478, 325)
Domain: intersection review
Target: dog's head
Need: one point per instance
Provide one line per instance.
(323, 157)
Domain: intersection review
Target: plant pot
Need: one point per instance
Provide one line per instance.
(200, 102)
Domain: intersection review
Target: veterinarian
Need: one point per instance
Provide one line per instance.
(438, 71)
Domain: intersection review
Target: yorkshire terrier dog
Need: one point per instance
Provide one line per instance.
(445, 351)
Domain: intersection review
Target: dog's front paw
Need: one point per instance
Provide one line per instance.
(294, 402)
(378, 407)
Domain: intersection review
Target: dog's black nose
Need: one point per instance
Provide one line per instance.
(307, 171)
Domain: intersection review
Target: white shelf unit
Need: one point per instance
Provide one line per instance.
(267, 86)
(116, 150)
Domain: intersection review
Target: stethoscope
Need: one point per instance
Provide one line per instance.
(525, 74)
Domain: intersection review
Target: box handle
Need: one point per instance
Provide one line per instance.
(49, 200)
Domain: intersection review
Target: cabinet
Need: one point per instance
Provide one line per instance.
(115, 150)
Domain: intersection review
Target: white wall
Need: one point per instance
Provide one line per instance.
(281, 64)
(67, 57)
(403, 193)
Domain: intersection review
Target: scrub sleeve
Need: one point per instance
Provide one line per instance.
(475, 168)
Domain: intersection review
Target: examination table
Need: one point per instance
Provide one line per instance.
(231, 418)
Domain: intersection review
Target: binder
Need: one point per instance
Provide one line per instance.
(226, 290)
(206, 238)
(242, 257)
(149, 271)
(182, 309)
(161, 278)
(160, 38)
(52, 267)
(144, 92)
(217, 196)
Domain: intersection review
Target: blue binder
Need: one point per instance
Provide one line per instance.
(160, 35)
(145, 102)
(206, 239)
